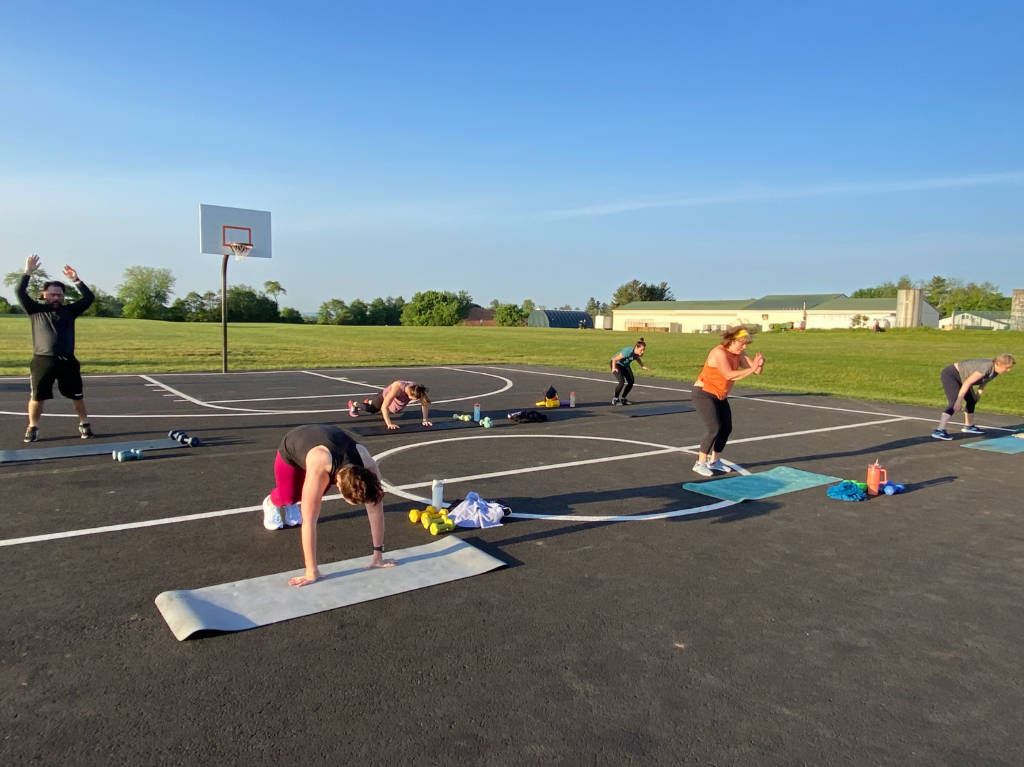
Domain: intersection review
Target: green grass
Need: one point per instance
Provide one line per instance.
(897, 366)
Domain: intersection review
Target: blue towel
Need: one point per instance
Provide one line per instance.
(781, 479)
(847, 491)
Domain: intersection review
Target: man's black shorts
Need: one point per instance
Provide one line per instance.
(64, 370)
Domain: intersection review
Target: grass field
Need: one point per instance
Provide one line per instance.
(897, 366)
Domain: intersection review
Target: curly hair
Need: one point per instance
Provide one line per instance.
(419, 391)
(359, 484)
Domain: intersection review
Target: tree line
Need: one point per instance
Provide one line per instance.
(947, 294)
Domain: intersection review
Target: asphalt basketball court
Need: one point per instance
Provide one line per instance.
(634, 621)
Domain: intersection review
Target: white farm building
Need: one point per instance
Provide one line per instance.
(820, 311)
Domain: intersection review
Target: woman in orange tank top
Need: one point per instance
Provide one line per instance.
(726, 363)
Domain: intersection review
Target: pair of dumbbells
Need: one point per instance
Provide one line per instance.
(132, 454)
(179, 436)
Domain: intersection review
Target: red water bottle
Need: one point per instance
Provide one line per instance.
(876, 476)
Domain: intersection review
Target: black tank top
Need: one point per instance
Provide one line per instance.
(300, 440)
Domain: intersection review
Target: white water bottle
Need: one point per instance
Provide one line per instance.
(437, 494)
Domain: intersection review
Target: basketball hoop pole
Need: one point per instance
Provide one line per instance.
(224, 314)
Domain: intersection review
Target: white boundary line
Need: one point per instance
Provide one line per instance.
(400, 490)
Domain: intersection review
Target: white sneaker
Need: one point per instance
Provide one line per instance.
(702, 468)
(292, 515)
(271, 515)
(717, 465)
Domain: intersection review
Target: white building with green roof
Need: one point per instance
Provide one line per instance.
(813, 311)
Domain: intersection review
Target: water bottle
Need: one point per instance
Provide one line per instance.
(876, 476)
(572, 399)
(476, 411)
(437, 493)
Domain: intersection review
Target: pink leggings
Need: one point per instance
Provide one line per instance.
(289, 483)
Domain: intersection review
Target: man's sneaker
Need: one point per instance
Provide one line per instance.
(292, 515)
(702, 468)
(353, 408)
(31, 434)
(624, 401)
(941, 434)
(271, 515)
(717, 465)
(971, 430)
(85, 431)
(615, 400)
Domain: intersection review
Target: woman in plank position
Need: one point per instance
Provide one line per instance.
(392, 399)
(727, 363)
(309, 460)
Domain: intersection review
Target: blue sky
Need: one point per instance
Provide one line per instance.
(542, 150)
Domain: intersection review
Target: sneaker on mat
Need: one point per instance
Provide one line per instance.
(85, 431)
(718, 465)
(625, 401)
(292, 515)
(615, 400)
(941, 434)
(702, 468)
(271, 515)
(31, 434)
(971, 430)
(353, 408)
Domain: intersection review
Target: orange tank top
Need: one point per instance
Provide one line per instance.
(712, 380)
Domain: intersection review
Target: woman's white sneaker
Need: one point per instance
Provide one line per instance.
(271, 515)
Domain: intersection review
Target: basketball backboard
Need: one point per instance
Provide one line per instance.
(219, 226)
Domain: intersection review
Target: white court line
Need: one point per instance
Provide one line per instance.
(402, 494)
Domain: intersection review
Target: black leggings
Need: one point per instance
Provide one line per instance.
(374, 405)
(717, 417)
(951, 384)
(624, 375)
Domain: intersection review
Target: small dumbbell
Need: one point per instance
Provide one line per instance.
(441, 526)
(176, 434)
(191, 441)
(133, 454)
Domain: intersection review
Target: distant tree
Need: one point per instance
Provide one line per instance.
(434, 307)
(528, 306)
(294, 316)
(565, 307)
(385, 311)
(495, 303)
(595, 307)
(246, 305)
(885, 290)
(641, 291)
(5, 306)
(105, 305)
(333, 312)
(273, 289)
(359, 312)
(144, 292)
(509, 315)
(35, 282)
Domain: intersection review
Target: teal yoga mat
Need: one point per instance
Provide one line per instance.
(87, 447)
(781, 479)
(1008, 445)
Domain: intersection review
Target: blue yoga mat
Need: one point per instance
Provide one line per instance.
(781, 479)
(1009, 445)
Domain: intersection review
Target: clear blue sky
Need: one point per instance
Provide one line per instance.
(543, 150)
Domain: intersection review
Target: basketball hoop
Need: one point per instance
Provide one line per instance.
(240, 249)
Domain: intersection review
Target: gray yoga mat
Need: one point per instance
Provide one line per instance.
(267, 599)
(1009, 445)
(88, 447)
(634, 411)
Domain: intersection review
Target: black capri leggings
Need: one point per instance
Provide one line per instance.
(717, 417)
(624, 375)
(951, 384)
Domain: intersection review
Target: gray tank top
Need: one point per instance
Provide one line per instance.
(987, 368)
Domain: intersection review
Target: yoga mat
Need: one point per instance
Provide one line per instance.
(632, 411)
(88, 447)
(781, 479)
(268, 599)
(379, 427)
(1008, 445)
